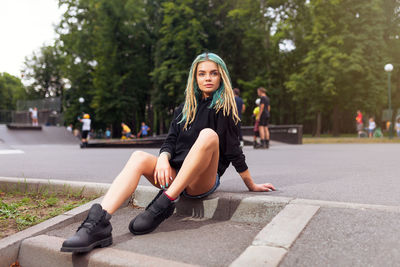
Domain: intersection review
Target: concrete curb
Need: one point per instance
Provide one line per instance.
(44, 250)
(52, 186)
(271, 244)
(238, 207)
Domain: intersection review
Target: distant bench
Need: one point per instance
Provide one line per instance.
(148, 142)
(23, 126)
(291, 134)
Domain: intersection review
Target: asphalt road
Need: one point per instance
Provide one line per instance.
(358, 173)
(355, 173)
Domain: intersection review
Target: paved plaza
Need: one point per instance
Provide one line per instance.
(355, 187)
(357, 173)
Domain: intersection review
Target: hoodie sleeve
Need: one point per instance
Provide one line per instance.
(173, 133)
(228, 133)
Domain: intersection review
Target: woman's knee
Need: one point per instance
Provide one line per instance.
(208, 137)
(139, 156)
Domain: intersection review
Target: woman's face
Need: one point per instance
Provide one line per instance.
(208, 77)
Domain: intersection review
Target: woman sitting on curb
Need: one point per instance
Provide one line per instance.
(201, 143)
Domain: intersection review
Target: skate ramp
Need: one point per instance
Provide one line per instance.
(48, 135)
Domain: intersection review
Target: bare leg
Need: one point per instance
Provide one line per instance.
(140, 163)
(266, 133)
(198, 172)
(198, 164)
(262, 132)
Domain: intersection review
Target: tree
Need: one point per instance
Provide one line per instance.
(181, 38)
(43, 68)
(341, 71)
(392, 39)
(11, 90)
(129, 59)
(107, 49)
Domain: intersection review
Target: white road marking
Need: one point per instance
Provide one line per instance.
(11, 151)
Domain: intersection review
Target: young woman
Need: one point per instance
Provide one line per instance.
(265, 110)
(201, 143)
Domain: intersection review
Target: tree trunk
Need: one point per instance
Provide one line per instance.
(335, 120)
(161, 123)
(319, 124)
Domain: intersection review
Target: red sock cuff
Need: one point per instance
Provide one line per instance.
(170, 198)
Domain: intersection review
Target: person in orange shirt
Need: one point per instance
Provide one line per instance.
(359, 123)
(126, 131)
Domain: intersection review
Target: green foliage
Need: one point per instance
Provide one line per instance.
(129, 58)
(180, 38)
(23, 209)
(11, 90)
(342, 70)
(52, 201)
(43, 68)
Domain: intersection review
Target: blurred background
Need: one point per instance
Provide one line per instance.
(128, 61)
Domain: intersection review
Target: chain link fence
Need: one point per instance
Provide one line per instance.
(49, 112)
(53, 103)
(6, 116)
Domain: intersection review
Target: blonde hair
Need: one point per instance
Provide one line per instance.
(223, 97)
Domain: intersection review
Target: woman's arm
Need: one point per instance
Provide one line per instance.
(262, 108)
(173, 132)
(162, 171)
(253, 186)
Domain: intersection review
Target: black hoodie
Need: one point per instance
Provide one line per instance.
(179, 141)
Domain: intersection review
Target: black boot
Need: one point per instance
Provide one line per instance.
(264, 144)
(95, 231)
(159, 209)
(256, 145)
(267, 142)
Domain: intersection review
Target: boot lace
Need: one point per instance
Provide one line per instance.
(90, 223)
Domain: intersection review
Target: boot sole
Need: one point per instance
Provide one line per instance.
(140, 233)
(149, 230)
(101, 243)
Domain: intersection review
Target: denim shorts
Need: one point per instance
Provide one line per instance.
(206, 193)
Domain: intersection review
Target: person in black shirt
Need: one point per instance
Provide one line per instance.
(202, 141)
(240, 108)
(264, 117)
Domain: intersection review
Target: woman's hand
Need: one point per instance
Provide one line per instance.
(162, 172)
(262, 188)
(253, 186)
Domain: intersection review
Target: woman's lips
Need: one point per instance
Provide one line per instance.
(209, 85)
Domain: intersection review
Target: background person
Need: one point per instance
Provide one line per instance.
(371, 127)
(86, 121)
(265, 109)
(202, 141)
(126, 131)
(108, 133)
(34, 117)
(359, 123)
(256, 115)
(70, 128)
(144, 130)
(240, 108)
(397, 127)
